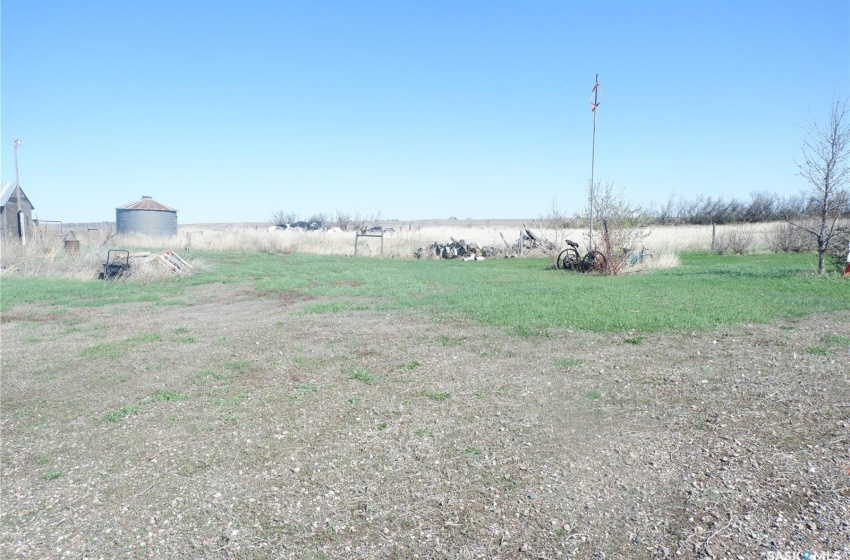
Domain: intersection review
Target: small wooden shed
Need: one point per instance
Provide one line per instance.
(10, 223)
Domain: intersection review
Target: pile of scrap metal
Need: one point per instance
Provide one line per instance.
(456, 249)
(117, 265)
(120, 263)
(528, 240)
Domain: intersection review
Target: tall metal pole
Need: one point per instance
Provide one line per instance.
(19, 216)
(594, 103)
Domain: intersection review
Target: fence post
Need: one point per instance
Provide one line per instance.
(713, 235)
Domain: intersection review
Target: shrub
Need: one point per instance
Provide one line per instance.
(619, 223)
(786, 238)
(737, 240)
(839, 247)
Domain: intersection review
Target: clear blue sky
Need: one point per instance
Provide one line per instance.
(228, 111)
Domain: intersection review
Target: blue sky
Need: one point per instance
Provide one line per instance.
(228, 111)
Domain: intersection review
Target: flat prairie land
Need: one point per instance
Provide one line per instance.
(408, 236)
(283, 406)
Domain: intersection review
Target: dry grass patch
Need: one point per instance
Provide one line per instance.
(46, 255)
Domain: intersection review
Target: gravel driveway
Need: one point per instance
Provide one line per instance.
(235, 425)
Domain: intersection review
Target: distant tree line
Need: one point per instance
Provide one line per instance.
(342, 220)
(761, 207)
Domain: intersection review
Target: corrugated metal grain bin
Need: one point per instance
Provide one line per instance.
(146, 216)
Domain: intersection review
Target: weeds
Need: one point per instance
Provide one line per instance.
(305, 389)
(566, 363)
(207, 374)
(409, 366)
(304, 363)
(163, 395)
(450, 341)
(105, 351)
(116, 415)
(831, 339)
(52, 474)
(227, 403)
(146, 337)
(439, 396)
(239, 367)
(525, 331)
(636, 340)
(362, 374)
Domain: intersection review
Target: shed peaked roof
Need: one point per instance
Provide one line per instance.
(6, 190)
(146, 203)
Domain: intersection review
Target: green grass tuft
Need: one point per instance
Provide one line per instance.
(409, 366)
(240, 366)
(831, 339)
(566, 363)
(116, 415)
(105, 351)
(163, 395)
(361, 374)
(305, 389)
(439, 396)
(52, 474)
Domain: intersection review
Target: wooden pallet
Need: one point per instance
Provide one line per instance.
(173, 262)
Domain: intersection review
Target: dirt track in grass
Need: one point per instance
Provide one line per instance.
(234, 424)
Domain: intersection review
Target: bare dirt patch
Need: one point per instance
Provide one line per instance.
(236, 426)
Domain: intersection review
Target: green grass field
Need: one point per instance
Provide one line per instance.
(523, 295)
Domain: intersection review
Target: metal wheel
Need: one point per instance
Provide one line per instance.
(568, 259)
(594, 261)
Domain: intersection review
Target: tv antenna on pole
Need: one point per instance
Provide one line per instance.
(595, 99)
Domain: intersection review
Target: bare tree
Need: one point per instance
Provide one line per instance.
(826, 153)
(343, 219)
(557, 220)
(281, 218)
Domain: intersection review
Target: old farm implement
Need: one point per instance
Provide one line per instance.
(571, 259)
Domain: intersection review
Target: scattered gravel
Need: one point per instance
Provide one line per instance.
(237, 425)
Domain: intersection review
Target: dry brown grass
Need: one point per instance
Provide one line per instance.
(45, 253)
(411, 235)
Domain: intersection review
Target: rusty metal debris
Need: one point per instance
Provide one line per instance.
(571, 259)
(120, 263)
(455, 249)
(117, 265)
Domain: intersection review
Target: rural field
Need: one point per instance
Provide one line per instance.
(277, 404)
